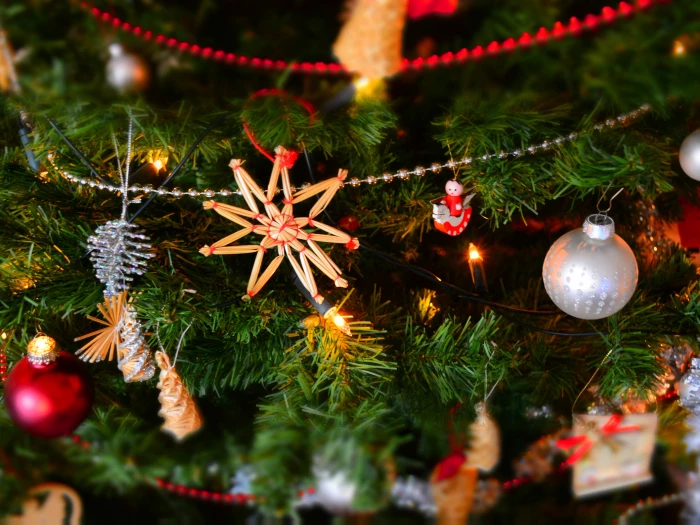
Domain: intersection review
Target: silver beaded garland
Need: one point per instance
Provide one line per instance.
(590, 273)
(689, 155)
(117, 253)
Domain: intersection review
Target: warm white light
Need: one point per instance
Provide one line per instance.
(158, 164)
(473, 252)
(338, 320)
(361, 82)
(678, 48)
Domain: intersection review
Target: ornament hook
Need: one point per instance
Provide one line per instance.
(605, 211)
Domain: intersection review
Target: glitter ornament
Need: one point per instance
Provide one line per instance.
(117, 254)
(689, 155)
(179, 410)
(126, 72)
(48, 393)
(590, 273)
(134, 357)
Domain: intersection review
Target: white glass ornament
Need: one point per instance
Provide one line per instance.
(334, 490)
(590, 273)
(126, 72)
(689, 155)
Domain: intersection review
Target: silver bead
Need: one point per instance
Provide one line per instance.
(135, 188)
(516, 153)
(82, 182)
(689, 155)
(467, 161)
(209, 193)
(610, 123)
(590, 273)
(100, 186)
(162, 191)
(450, 164)
(573, 135)
(354, 182)
(419, 171)
(502, 154)
(371, 179)
(193, 192)
(531, 149)
(435, 167)
(177, 193)
(387, 177)
(225, 192)
(147, 189)
(402, 174)
(126, 72)
(305, 186)
(92, 183)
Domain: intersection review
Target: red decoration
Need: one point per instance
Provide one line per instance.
(49, 400)
(418, 8)
(609, 16)
(689, 225)
(449, 467)
(585, 443)
(349, 223)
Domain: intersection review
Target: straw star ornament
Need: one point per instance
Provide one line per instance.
(280, 229)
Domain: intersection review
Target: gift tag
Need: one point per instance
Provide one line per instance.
(610, 451)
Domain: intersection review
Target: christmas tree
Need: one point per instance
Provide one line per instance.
(380, 260)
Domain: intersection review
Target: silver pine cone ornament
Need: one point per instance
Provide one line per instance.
(118, 252)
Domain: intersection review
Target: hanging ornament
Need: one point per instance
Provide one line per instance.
(453, 484)
(484, 449)
(450, 213)
(349, 223)
(135, 359)
(179, 410)
(370, 41)
(590, 273)
(48, 392)
(281, 230)
(334, 490)
(8, 76)
(689, 155)
(117, 252)
(610, 451)
(121, 335)
(49, 503)
(126, 72)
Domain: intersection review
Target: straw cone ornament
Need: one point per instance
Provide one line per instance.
(370, 41)
(281, 231)
(484, 450)
(454, 495)
(121, 334)
(8, 75)
(179, 410)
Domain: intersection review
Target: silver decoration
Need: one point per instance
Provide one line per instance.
(540, 412)
(133, 350)
(415, 494)
(690, 388)
(689, 155)
(590, 273)
(126, 72)
(243, 481)
(118, 252)
(691, 497)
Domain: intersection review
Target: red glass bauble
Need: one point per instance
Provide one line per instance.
(49, 400)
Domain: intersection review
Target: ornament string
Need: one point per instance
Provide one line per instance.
(605, 211)
(177, 348)
(283, 95)
(574, 28)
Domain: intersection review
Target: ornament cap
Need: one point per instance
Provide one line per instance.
(599, 226)
(42, 350)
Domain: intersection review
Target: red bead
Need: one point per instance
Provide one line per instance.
(643, 4)
(183, 46)
(49, 400)
(574, 25)
(255, 62)
(608, 14)
(624, 9)
(218, 55)
(448, 57)
(137, 31)
(542, 35)
(96, 12)
(242, 60)
(172, 42)
(591, 21)
(228, 497)
(106, 17)
(230, 57)
(311, 490)
(477, 52)
(116, 22)
(126, 26)
(194, 49)
(160, 39)
(493, 47)
(206, 52)
(509, 44)
(558, 30)
(462, 54)
(525, 40)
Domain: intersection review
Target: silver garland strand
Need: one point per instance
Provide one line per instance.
(690, 400)
(135, 359)
(118, 252)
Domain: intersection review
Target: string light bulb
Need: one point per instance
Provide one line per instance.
(678, 47)
(473, 252)
(338, 320)
(158, 164)
(476, 265)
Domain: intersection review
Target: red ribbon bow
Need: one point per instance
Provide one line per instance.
(585, 443)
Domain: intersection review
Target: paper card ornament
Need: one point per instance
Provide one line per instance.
(610, 452)
(49, 503)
